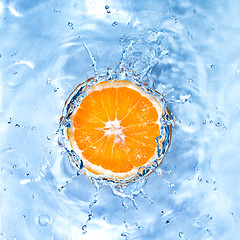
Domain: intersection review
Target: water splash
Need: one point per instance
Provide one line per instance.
(131, 187)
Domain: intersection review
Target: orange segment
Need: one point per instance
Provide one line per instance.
(93, 105)
(114, 129)
(88, 138)
(85, 120)
(127, 98)
(144, 133)
(108, 99)
(142, 112)
(138, 152)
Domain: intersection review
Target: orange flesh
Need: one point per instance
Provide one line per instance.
(114, 129)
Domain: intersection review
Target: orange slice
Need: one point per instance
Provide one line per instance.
(114, 129)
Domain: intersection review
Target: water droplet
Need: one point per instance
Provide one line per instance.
(14, 166)
(215, 189)
(209, 232)
(217, 124)
(108, 11)
(55, 89)
(44, 220)
(17, 125)
(84, 227)
(168, 221)
(0, 55)
(33, 128)
(121, 39)
(14, 54)
(171, 185)
(48, 138)
(184, 98)
(10, 120)
(114, 24)
(56, 10)
(209, 216)
(194, 11)
(190, 80)
(237, 74)
(124, 234)
(70, 25)
(79, 37)
(14, 72)
(212, 66)
(23, 216)
(211, 121)
(33, 196)
(199, 178)
(181, 235)
(106, 7)
(162, 212)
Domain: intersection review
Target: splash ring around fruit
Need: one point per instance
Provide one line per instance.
(84, 145)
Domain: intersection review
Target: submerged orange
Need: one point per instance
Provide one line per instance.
(114, 129)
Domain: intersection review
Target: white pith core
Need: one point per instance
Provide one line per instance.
(114, 128)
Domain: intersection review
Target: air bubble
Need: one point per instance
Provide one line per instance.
(15, 72)
(199, 178)
(57, 10)
(217, 124)
(17, 125)
(106, 7)
(212, 66)
(56, 89)
(108, 11)
(168, 221)
(181, 235)
(44, 220)
(70, 24)
(190, 80)
(10, 120)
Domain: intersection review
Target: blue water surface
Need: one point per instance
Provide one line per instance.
(192, 49)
